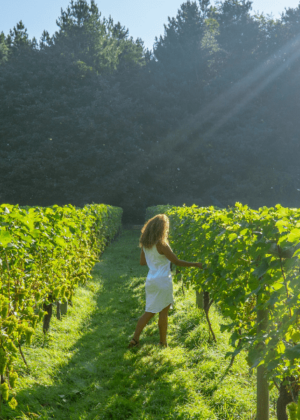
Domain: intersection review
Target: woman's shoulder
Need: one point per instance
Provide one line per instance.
(158, 245)
(162, 243)
(161, 246)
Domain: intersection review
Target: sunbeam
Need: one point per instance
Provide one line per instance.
(234, 99)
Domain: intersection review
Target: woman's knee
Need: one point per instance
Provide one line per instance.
(163, 316)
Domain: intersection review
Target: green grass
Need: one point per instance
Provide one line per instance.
(85, 371)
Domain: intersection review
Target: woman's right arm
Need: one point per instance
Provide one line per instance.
(166, 250)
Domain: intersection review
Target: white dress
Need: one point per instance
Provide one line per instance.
(159, 285)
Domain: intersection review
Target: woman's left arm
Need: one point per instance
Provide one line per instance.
(143, 258)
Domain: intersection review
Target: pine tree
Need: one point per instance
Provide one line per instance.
(4, 49)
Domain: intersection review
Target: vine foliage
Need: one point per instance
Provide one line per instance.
(252, 264)
(44, 254)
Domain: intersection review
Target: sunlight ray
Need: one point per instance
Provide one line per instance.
(234, 99)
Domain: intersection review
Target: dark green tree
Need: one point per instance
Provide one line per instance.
(210, 116)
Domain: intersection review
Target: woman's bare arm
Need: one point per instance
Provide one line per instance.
(166, 250)
(143, 258)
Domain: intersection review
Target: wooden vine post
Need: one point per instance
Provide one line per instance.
(61, 308)
(263, 412)
(58, 309)
(199, 299)
(64, 307)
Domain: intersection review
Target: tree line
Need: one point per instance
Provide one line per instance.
(209, 116)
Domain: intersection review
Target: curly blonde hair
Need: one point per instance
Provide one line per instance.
(155, 230)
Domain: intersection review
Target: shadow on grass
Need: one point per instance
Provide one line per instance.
(103, 379)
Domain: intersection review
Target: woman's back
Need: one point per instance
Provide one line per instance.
(159, 265)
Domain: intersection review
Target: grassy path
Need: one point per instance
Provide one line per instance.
(85, 371)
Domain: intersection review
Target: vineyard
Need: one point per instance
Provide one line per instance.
(45, 253)
(252, 273)
(251, 276)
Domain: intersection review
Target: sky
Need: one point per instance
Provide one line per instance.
(145, 19)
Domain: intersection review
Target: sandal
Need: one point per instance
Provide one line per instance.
(135, 344)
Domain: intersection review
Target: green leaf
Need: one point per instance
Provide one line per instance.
(280, 348)
(262, 269)
(60, 241)
(5, 238)
(296, 337)
(277, 286)
(232, 236)
(293, 353)
(294, 236)
(254, 358)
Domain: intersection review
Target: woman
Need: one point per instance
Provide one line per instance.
(157, 254)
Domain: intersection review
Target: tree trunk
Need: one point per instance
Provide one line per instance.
(206, 306)
(285, 397)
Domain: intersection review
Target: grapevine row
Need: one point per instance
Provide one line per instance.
(252, 261)
(44, 254)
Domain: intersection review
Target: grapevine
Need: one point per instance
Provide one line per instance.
(44, 254)
(252, 260)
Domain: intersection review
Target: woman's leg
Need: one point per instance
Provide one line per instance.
(142, 322)
(163, 325)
